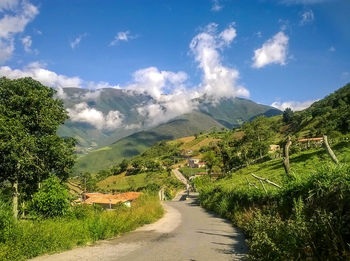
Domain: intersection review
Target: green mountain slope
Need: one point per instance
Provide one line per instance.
(103, 100)
(137, 143)
(228, 112)
(233, 112)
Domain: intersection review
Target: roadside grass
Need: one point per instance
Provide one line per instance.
(302, 164)
(306, 219)
(30, 238)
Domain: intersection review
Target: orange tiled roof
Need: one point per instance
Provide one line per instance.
(112, 199)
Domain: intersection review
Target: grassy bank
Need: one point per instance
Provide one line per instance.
(307, 219)
(85, 224)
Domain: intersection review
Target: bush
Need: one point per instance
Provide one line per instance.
(308, 218)
(52, 199)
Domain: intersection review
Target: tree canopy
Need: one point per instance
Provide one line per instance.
(30, 149)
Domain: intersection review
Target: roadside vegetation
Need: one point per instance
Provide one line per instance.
(79, 225)
(298, 214)
(37, 212)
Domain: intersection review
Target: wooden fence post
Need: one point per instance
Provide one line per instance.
(286, 155)
(329, 150)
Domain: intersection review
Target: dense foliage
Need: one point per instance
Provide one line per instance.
(329, 115)
(30, 149)
(52, 199)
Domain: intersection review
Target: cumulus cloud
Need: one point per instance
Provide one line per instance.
(307, 17)
(77, 40)
(156, 82)
(294, 105)
(218, 81)
(217, 6)
(27, 43)
(169, 107)
(83, 113)
(171, 96)
(38, 72)
(8, 4)
(273, 51)
(17, 15)
(122, 37)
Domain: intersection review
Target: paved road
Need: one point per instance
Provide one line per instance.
(179, 176)
(186, 232)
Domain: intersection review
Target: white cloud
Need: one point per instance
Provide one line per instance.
(332, 49)
(8, 4)
(37, 71)
(27, 43)
(12, 23)
(122, 37)
(307, 17)
(156, 82)
(218, 81)
(294, 105)
(303, 2)
(273, 50)
(169, 107)
(77, 40)
(171, 95)
(216, 6)
(6, 49)
(83, 113)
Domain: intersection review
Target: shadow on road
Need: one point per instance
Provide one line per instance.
(238, 248)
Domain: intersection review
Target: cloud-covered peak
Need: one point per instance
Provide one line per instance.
(157, 83)
(83, 113)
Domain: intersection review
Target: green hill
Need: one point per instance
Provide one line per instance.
(228, 112)
(234, 112)
(137, 143)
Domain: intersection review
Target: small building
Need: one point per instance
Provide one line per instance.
(108, 201)
(195, 163)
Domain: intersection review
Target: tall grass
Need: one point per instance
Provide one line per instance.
(308, 219)
(85, 224)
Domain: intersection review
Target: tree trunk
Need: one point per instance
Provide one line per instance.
(15, 199)
(286, 155)
(329, 150)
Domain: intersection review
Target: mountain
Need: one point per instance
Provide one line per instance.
(234, 112)
(98, 103)
(137, 143)
(92, 113)
(104, 101)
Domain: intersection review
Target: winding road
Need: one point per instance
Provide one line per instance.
(186, 232)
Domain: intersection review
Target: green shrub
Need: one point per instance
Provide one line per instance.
(51, 200)
(308, 218)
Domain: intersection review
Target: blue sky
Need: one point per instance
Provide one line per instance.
(274, 51)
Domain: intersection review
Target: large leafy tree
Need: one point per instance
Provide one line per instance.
(30, 149)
